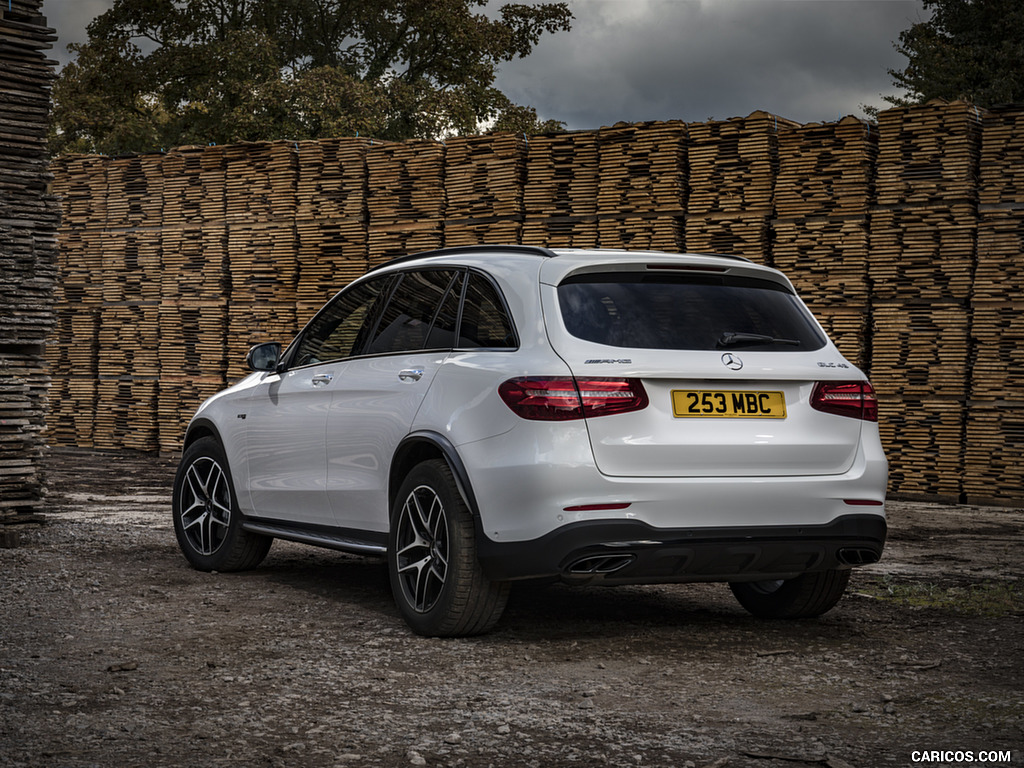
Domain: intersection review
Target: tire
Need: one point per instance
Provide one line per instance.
(806, 596)
(207, 521)
(437, 582)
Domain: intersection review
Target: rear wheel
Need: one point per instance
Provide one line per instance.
(806, 596)
(438, 584)
(207, 521)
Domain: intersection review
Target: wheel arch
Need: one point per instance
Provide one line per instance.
(200, 428)
(421, 446)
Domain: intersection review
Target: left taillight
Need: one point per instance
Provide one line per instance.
(855, 399)
(563, 398)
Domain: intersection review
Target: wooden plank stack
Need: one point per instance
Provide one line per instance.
(560, 196)
(642, 187)
(995, 419)
(923, 234)
(263, 261)
(330, 219)
(483, 184)
(405, 198)
(80, 186)
(823, 194)
(732, 167)
(29, 218)
(905, 239)
(194, 287)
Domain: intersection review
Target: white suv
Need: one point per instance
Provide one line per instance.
(489, 414)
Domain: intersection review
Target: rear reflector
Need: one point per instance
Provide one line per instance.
(596, 507)
(863, 502)
(855, 399)
(564, 398)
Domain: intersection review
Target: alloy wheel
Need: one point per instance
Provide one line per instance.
(422, 553)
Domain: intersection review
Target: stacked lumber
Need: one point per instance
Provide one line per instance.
(732, 168)
(28, 256)
(823, 194)
(194, 287)
(995, 420)
(923, 233)
(405, 198)
(560, 197)
(262, 247)
(483, 184)
(330, 220)
(641, 194)
(194, 185)
(81, 188)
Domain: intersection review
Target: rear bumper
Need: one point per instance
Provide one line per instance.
(633, 552)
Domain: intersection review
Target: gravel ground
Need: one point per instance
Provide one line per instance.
(113, 652)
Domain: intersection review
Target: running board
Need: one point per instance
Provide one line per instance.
(316, 538)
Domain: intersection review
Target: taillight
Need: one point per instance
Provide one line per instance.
(564, 398)
(855, 399)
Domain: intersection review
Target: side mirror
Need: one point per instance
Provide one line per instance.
(264, 357)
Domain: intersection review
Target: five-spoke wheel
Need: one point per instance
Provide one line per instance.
(436, 579)
(207, 522)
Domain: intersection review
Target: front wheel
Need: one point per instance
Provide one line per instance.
(438, 584)
(207, 521)
(806, 596)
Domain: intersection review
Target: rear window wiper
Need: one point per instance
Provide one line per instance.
(733, 339)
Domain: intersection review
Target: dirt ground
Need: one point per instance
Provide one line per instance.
(113, 652)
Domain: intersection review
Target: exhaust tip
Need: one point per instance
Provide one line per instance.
(857, 556)
(600, 564)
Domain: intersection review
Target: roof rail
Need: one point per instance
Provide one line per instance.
(533, 250)
(734, 256)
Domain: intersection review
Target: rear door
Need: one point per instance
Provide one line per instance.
(380, 392)
(728, 358)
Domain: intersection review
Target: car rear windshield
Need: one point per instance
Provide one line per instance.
(695, 312)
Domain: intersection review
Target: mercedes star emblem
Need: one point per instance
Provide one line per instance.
(730, 361)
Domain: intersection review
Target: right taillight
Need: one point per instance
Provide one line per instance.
(855, 399)
(563, 398)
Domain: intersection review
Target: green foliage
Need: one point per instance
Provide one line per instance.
(161, 73)
(969, 49)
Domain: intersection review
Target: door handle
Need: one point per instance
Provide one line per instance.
(322, 379)
(411, 374)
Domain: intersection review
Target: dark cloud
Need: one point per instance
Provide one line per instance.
(807, 60)
(633, 60)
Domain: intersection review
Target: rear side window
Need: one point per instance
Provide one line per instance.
(485, 323)
(408, 316)
(692, 312)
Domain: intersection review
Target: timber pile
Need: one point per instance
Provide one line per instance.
(823, 194)
(405, 198)
(995, 418)
(560, 197)
(483, 184)
(732, 167)
(642, 185)
(29, 217)
(262, 246)
(194, 287)
(923, 234)
(330, 220)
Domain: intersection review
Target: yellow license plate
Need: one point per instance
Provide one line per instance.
(728, 404)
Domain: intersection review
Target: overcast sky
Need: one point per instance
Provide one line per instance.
(694, 60)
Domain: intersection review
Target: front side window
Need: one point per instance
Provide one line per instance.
(693, 312)
(339, 330)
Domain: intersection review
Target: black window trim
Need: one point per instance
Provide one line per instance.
(387, 294)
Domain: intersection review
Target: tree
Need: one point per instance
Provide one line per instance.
(160, 73)
(969, 49)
